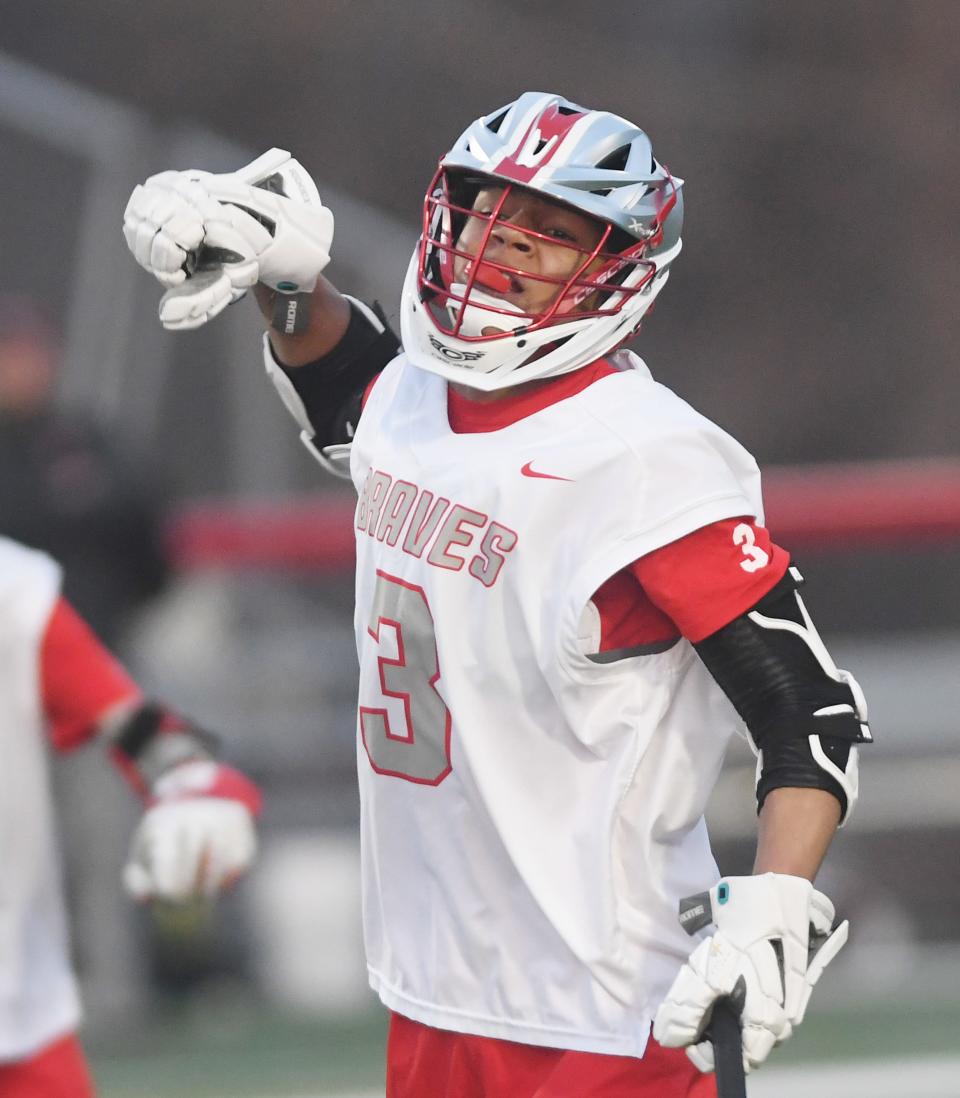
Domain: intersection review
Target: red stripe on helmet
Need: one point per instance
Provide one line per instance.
(546, 133)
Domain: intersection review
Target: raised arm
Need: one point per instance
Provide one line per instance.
(326, 316)
(209, 238)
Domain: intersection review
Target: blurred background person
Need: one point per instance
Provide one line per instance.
(60, 687)
(68, 488)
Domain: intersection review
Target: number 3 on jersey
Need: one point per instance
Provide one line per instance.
(755, 557)
(404, 722)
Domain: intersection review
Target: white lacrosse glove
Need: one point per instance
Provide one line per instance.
(196, 837)
(209, 237)
(774, 938)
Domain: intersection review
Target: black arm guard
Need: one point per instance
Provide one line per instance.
(150, 739)
(332, 387)
(803, 713)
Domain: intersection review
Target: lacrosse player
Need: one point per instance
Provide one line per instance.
(567, 601)
(60, 688)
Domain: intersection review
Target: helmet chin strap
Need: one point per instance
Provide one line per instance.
(478, 320)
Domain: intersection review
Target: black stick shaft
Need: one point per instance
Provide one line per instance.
(725, 1035)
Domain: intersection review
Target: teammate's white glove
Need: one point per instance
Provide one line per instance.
(774, 938)
(209, 237)
(196, 837)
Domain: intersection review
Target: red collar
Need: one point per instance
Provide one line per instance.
(470, 417)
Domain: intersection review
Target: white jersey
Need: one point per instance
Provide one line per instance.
(531, 816)
(38, 993)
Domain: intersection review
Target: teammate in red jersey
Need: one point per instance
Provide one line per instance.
(567, 602)
(59, 686)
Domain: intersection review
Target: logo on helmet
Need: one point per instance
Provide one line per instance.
(453, 353)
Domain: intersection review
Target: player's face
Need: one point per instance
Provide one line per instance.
(564, 241)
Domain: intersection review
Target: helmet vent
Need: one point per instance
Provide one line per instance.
(496, 123)
(568, 110)
(615, 161)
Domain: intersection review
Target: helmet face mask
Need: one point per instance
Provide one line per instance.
(465, 258)
(548, 231)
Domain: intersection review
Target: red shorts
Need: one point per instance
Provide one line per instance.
(432, 1063)
(57, 1071)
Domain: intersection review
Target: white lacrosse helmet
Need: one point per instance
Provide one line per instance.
(596, 163)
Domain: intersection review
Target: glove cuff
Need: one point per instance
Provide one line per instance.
(207, 779)
(148, 739)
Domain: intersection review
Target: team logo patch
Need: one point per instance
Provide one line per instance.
(453, 353)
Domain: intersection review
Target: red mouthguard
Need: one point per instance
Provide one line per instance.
(493, 279)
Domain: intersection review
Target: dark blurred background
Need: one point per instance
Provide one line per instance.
(812, 313)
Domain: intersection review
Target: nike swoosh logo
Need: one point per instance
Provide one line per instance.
(529, 471)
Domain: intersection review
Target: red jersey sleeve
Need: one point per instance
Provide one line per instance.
(79, 679)
(706, 579)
